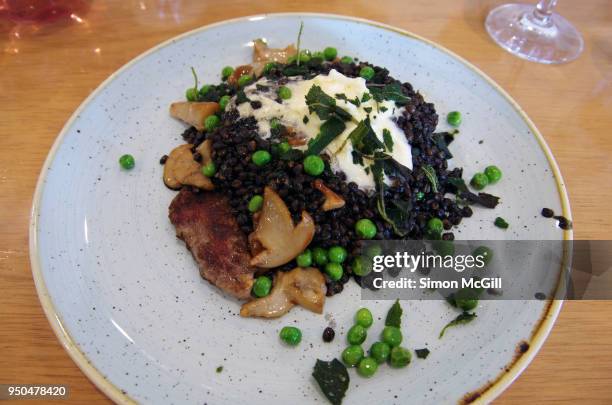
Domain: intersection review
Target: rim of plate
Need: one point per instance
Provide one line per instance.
(486, 393)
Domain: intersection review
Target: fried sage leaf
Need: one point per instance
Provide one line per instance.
(461, 319)
(394, 316)
(333, 378)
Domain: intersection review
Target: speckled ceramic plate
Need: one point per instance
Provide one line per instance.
(124, 295)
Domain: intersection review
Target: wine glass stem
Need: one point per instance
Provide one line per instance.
(543, 12)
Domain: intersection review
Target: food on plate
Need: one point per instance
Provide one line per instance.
(300, 157)
(194, 113)
(181, 169)
(127, 162)
(304, 287)
(276, 240)
(205, 222)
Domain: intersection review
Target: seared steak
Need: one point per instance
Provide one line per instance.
(204, 221)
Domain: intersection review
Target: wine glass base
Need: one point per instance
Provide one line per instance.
(513, 27)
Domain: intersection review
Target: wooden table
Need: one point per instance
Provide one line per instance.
(46, 74)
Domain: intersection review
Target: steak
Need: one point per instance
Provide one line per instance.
(205, 222)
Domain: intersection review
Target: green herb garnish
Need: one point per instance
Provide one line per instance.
(392, 91)
(458, 183)
(219, 369)
(388, 140)
(333, 379)
(397, 212)
(364, 139)
(299, 39)
(355, 101)
(195, 79)
(394, 316)
(422, 353)
(241, 97)
(324, 105)
(328, 132)
(357, 158)
(501, 223)
(430, 173)
(461, 319)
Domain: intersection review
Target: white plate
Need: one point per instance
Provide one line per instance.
(124, 295)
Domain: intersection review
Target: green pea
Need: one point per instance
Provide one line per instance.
(262, 286)
(305, 258)
(380, 352)
(127, 162)
(364, 317)
(255, 203)
(400, 357)
(346, 59)
(209, 169)
(205, 89)
(284, 92)
(226, 72)
(444, 247)
(493, 174)
(330, 53)
(454, 118)
(261, 157)
(191, 94)
(305, 56)
(360, 266)
(314, 165)
(275, 123)
(318, 57)
(224, 101)
(320, 256)
(420, 195)
(466, 299)
(366, 72)
(284, 147)
(291, 335)
(244, 80)
(334, 271)
(367, 367)
(211, 122)
(485, 252)
(356, 335)
(435, 225)
(352, 355)
(392, 336)
(365, 228)
(479, 181)
(373, 250)
(336, 254)
(268, 67)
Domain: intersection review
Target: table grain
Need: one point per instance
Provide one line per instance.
(46, 72)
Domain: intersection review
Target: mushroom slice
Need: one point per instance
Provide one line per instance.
(300, 286)
(275, 233)
(261, 52)
(205, 149)
(332, 200)
(193, 112)
(181, 170)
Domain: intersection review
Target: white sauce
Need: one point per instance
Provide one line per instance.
(291, 113)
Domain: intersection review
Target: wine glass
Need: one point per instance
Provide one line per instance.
(534, 33)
